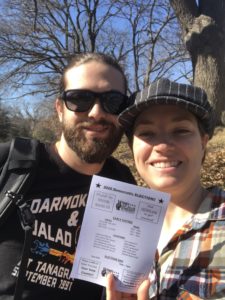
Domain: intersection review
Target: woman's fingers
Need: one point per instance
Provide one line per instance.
(112, 294)
(143, 290)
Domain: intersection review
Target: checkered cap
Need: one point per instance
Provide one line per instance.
(164, 91)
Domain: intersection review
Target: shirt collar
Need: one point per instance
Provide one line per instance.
(208, 211)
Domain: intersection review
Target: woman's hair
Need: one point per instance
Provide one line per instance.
(83, 58)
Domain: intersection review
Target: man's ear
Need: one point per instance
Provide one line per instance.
(59, 108)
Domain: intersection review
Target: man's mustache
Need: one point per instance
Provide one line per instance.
(91, 123)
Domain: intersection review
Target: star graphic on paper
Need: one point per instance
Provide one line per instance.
(161, 201)
(98, 185)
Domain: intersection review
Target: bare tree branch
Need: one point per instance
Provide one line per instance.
(37, 39)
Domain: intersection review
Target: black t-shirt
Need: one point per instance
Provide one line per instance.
(57, 198)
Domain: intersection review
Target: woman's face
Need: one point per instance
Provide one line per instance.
(168, 148)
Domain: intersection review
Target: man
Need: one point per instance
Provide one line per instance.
(93, 89)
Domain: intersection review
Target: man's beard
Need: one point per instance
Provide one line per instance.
(92, 150)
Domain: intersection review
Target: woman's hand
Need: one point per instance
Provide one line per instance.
(112, 294)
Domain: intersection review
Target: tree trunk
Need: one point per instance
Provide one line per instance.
(203, 27)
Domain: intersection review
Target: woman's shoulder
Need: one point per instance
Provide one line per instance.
(217, 191)
(217, 194)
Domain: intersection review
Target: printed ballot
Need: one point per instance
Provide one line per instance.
(119, 233)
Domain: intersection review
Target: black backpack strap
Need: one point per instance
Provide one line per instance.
(17, 174)
(15, 180)
(25, 254)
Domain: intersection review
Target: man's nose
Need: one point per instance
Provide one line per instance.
(96, 111)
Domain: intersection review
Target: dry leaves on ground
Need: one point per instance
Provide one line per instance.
(213, 171)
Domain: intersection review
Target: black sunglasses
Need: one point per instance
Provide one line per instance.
(112, 102)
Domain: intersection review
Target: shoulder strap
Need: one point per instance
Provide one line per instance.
(17, 174)
(15, 180)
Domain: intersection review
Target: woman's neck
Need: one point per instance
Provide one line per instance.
(188, 199)
(179, 212)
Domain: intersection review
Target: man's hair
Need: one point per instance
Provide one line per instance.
(83, 58)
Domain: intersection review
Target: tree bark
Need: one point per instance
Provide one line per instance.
(203, 27)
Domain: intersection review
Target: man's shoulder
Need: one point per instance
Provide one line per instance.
(5, 148)
(117, 170)
(116, 162)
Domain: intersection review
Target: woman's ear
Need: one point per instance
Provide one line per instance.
(59, 108)
(205, 139)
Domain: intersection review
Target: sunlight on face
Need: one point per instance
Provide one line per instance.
(89, 134)
(168, 148)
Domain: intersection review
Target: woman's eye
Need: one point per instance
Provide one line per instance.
(146, 134)
(182, 131)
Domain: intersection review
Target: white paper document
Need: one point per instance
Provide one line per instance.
(119, 233)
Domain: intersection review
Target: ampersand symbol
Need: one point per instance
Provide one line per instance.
(73, 218)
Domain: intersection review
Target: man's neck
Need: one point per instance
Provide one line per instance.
(74, 162)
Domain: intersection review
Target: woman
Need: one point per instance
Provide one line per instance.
(168, 127)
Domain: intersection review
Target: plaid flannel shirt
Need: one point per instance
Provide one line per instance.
(192, 266)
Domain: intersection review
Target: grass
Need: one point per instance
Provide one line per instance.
(213, 170)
